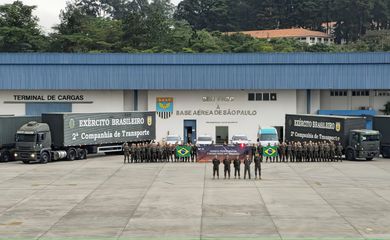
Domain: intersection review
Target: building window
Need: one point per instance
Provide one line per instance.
(339, 93)
(273, 97)
(382, 93)
(361, 93)
(262, 97)
(265, 96)
(251, 97)
(259, 96)
(312, 40)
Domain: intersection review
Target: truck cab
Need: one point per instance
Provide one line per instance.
(32, 139)
(268, 135)
(363, 144)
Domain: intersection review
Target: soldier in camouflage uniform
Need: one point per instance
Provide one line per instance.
(316, 152)
(339, 152)
(310, 149)
(326, 152)
(321, 147)
(288, 151)
(332, 151)
(126, 152)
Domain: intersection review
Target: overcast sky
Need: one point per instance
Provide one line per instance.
(49, 10)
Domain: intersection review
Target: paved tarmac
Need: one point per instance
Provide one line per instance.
(101, 198)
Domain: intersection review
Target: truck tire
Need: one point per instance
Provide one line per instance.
(82, 154)
(5, 156)
(71, 154)
(369, 159)
(26, 161)
(350, 155)
(386, 152)
(45, 157)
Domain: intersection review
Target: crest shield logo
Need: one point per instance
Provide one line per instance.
(149, 120)
(164, 107)
(338, 127)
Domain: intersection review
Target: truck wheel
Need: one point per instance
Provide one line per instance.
(82, 154)
(369, 159)
(6, 157)
(72, 154)
(26, 161)
(386, 152)
(350, 155)
(45, 158)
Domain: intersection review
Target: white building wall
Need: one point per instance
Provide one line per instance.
(268, 113)
(94, 101)
(142, 100)
(315, 101)
(301, 102)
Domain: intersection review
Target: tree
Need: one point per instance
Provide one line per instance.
(386, 110)
(19, 30)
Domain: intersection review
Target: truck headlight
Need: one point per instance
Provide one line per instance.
(33, 155)
(15, 155)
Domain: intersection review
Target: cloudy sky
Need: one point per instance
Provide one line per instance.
(49, 10)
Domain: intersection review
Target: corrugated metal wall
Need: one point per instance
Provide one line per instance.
(195, 71)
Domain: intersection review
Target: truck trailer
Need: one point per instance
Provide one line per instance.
(357, 142)
(382, 124)
(73, 136)
(8, 127)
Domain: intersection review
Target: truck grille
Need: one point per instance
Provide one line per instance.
(24, 155)
(24, 148)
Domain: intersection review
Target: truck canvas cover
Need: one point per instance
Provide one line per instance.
(73, 129)
(321, 128)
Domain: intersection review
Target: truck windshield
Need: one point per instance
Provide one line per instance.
(26, 137)
(268, 137)
(370, 138)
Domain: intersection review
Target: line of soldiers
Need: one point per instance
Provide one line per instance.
(155, 152)
(227, 161)
(303, 152)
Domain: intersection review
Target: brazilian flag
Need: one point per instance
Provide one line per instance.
(183, 151)
(270, 151)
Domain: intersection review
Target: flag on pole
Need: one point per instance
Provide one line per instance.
(183, 151)
(270, 151)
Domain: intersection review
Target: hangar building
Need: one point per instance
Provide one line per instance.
(215, 94)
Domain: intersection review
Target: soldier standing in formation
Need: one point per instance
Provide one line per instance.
(237, 163)
(339, 152)
(247, 167)
(126, 152)
(227, 162)
(257, 167)
(216, 163)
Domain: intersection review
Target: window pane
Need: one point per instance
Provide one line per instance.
(251, 96)
(273, 97)
(265, 96)
(259, 96)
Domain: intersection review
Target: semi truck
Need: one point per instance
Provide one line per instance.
(382, 124)
(8, 127)
(357, 142)
(73, 136)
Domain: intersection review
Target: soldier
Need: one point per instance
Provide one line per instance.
(132, 153)
(304, 152)
(253, 151)
(315, 153)
(332, 151)
(154, 152)
(216, 163)
(192, 152)
(326, 151)
(283, 152)
(176, 156)
(339, 152)
(195, 152)
(311, 151)
(288, 151)
(149, 152)
(126, 152)
(237, 163)
(247, 167)
(226, 163)
(299, 152)
(141, 151)
(294, 151)
(321, 147)
(258, 166)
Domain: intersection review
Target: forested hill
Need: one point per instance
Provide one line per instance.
(195, 26)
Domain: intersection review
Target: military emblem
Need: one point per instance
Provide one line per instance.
(149, 120)
(338, 127)
(164, 107)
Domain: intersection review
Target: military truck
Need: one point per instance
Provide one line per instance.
(8, 127)
(73, 136)
(358, 143)
(382, 124)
